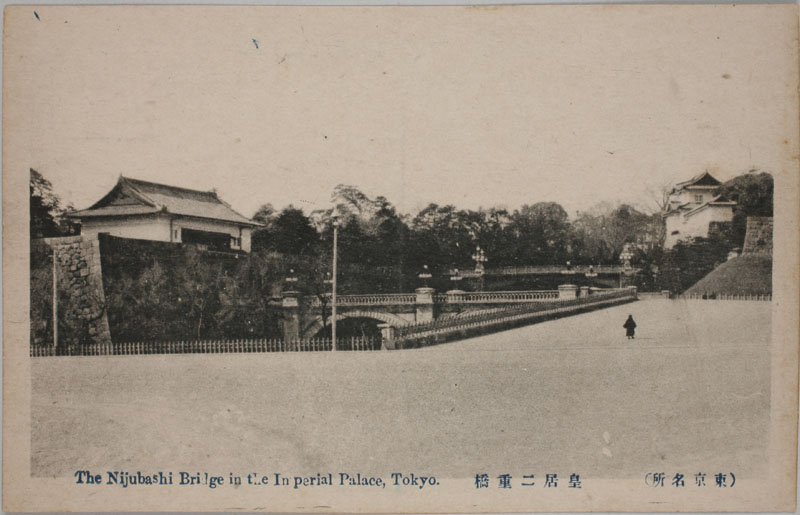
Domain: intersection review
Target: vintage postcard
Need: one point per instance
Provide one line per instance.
(400, 259)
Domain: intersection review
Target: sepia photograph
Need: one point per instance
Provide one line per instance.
(410, 259)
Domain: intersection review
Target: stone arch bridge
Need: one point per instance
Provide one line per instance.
(304, 317)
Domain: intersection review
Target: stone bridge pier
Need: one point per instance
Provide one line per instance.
(291, 315)
(303, 317)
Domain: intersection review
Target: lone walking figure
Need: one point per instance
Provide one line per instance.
(630, 327)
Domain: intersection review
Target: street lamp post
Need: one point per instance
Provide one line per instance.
(55, 300)
(323, 305)
(333, 283)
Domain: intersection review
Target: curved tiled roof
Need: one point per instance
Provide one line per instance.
(137, 197)
(703, 179)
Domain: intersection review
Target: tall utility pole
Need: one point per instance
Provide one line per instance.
(333, 282)
(55, 300)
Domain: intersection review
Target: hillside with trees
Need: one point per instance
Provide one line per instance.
(749, 274)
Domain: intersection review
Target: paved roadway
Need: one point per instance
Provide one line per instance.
(570, 395)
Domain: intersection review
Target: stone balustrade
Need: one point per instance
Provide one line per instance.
(452, 297)
(497, 297)
(387, 299)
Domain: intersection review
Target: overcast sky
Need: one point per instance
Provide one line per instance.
(469, 106)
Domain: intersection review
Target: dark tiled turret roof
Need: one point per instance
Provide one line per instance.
(136, 197)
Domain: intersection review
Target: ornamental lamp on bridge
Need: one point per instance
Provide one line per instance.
(480, 258)
(292, 279)
(626, 255)
(425, 275)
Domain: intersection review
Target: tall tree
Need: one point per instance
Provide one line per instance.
(266, 216)
(753, 194)
(391, 235)
(45, 208)
(293, 233)
(602, 232)
(542, 233)
(441, 237)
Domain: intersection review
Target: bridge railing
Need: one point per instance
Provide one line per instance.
(497, 297)
(393, 299)
(209, 347)
(381, 299)
(441, 329)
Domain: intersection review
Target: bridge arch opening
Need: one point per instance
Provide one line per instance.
(348, 327)
(352, 324)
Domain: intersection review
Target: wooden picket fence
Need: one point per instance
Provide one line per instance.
(210, 347)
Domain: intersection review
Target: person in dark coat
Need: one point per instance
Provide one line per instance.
(630, 327)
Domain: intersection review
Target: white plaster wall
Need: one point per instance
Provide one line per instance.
(246, 234)
(158, 229)
(151, 228)
(213, 226)
(688, 196)
(696, 225)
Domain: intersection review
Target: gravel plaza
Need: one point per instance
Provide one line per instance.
(691, 392)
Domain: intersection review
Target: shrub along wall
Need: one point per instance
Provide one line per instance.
(688, 262)
(171, 291)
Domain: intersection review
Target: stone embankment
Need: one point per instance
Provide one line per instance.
(758, 238)
(79, 283)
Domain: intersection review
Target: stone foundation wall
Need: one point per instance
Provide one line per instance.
(758, 238)
(79, 280)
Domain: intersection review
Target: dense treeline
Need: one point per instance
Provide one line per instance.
(390, 249)
(374, 235)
